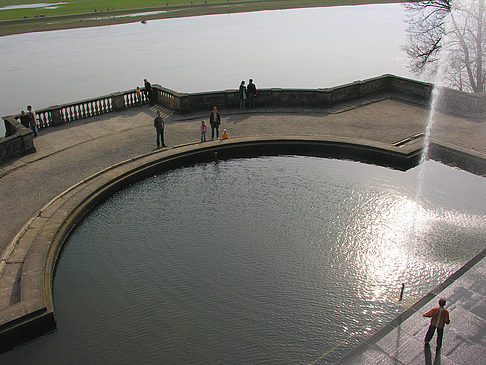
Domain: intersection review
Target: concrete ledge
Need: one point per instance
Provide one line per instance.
(33, 253)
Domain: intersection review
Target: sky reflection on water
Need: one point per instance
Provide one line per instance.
(267, 260)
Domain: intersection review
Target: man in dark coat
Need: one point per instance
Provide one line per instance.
(148, 91)
(32, 120)
(252, 93)
(214, 121)
(24, 119)
(159, 125)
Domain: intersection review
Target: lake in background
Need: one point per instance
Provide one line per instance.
(303, 48)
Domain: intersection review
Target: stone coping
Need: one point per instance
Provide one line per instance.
(28, 264)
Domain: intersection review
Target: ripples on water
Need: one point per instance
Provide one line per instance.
(270, 260)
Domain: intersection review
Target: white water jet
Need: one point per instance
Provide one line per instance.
(440, 82)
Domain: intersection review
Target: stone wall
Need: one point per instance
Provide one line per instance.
(462, 104)
(451, 101)
(19, 140)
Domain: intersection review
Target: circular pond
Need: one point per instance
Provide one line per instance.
(271, 260)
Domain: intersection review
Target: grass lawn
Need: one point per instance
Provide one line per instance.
(84, 13)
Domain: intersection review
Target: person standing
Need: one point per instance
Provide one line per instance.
(439, 317)
(32, 120)
(242, 95)
(24, 119)
(148, 91)
(138, 96)
(204, 129)
(159, 125)
(215, 121)
(252, 93)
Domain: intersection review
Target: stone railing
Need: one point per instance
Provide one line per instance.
(454, 102)
(18, 140)
(310, 98)
(60, 114)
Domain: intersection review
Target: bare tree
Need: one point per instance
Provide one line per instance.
(455, 27)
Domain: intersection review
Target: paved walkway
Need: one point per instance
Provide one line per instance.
(65, 155)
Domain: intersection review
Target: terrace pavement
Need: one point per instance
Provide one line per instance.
(68, 154)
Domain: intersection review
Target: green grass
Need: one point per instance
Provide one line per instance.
(81, 6)
(80, 13)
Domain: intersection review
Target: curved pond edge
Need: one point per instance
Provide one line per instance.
(39, 243)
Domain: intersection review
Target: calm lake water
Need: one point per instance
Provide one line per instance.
(307, 48)
(273, 260)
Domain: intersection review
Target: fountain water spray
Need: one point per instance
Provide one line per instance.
(437, 92)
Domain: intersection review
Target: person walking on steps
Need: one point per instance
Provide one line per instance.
(439, 318)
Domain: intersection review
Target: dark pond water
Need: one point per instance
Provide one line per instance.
(273, 260)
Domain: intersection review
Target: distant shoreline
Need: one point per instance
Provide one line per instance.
(95, 19)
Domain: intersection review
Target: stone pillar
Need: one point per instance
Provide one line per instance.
(232, 98)
(156, 94)
(28, 142)
(182, 103)
(118, 101)
(56, 115)
(276, 97)
(323, 98)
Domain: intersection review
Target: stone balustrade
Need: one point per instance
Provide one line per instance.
(455, 102)
(18, 140)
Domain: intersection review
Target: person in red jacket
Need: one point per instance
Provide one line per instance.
(439, 317)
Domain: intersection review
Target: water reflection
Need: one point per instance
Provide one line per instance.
(269, 260)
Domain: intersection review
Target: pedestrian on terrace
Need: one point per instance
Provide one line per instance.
(148, 91)
(138, 95)
(214, 121)
(204, 129)
(252, 93)
(242, 91)
(32, 120)
(159, 125)
(24, 119)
